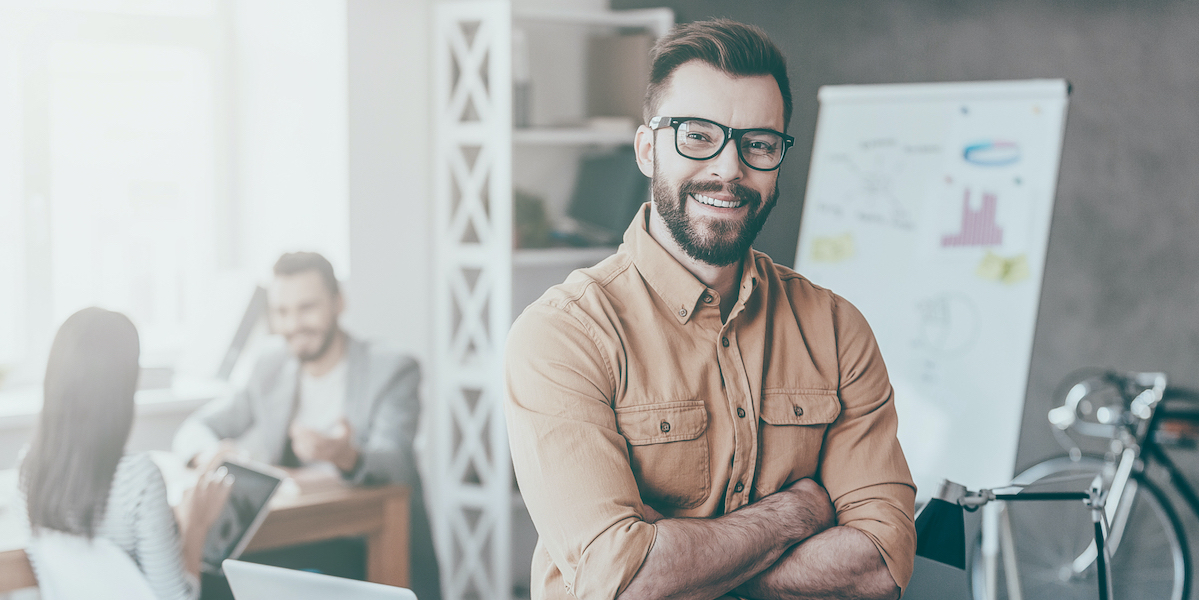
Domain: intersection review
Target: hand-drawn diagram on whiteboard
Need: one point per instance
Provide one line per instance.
(870, 182)
(928, 207)
(947, 324)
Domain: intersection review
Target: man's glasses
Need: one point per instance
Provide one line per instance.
(701, 139)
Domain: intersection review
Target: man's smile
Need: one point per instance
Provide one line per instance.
(710, 201)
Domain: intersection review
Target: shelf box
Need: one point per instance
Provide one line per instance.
(563, 257)
(572, 136)
(658, 20)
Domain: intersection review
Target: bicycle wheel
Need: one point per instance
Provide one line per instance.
(1152, 560)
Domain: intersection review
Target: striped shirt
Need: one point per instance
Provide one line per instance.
(139, 521)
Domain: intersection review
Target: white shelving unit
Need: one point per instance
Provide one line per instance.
(481, 282)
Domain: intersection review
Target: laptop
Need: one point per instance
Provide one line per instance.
(251, 581)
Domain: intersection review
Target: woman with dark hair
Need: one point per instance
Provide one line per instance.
(76, 477)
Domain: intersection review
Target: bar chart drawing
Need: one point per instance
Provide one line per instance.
(978, 226)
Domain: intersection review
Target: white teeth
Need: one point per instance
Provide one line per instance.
(702, 199)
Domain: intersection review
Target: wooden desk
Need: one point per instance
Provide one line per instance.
(330, 511)
(380, 514)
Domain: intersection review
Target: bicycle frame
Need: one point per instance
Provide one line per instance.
(1127, 411)
(1093, 499)
(1151, 450)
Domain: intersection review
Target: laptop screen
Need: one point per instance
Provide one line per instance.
(250, 581)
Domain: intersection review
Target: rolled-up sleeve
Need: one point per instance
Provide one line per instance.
(862, 466)
(571, 462)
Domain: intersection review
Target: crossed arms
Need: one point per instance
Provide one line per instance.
(584, 483)
(784, 546)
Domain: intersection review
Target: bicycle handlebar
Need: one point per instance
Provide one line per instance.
(1126, 401)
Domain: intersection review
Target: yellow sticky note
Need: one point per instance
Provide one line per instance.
(833, 249)
(1004, 270)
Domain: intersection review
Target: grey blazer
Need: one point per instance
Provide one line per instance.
(382, 407)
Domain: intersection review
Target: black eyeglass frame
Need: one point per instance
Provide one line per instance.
(660, 122)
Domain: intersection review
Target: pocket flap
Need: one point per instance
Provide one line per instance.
(790, 407)
(660, 423)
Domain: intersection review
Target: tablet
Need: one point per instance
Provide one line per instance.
(247, 507)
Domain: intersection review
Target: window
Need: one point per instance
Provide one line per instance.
(156, 160)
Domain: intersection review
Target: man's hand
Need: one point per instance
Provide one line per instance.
(310, 446)
(652, 516)
(813, 511)
(226, 449)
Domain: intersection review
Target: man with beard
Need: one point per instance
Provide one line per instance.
(687, 418)
(325, 400)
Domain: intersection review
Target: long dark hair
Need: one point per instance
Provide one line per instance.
(86, 416)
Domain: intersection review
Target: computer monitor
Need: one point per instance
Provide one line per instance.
(608, 191)
(254, 314)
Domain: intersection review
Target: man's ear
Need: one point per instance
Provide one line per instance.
(339, 303)
(643, 145)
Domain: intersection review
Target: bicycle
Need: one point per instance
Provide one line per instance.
(1048, 548)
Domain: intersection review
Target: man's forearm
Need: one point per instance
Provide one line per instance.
(840, 562)
(193, 439)
(703, 559)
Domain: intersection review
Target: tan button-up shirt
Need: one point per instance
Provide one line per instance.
(625, 387)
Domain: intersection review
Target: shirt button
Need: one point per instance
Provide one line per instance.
(741, 413)
(724, 342)
(740, 486)
(682, 312)
(707, 298)
(665, 427)
(799, 411)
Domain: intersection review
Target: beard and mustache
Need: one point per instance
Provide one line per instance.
(326, 336)
(718, 242)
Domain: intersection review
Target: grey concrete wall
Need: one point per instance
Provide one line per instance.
(1121, 287)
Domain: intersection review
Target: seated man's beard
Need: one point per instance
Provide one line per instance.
(326, 343)
(726, 242)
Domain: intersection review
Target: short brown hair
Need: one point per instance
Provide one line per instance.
(736, 48)
(294, 263)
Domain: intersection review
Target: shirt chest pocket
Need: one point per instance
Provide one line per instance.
(792, 430)
(668, 451)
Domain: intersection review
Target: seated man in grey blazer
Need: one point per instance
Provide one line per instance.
(324, 398)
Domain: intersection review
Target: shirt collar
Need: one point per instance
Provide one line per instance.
(672, 281)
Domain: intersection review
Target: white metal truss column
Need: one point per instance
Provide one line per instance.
(473, 281)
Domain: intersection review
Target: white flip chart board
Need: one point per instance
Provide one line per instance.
(928, 207)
